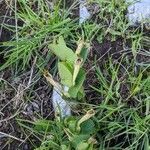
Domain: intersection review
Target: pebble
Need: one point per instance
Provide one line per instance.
(31, 107)
(138, 12)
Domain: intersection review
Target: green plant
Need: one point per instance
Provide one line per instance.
(65, 134)
(70, 67)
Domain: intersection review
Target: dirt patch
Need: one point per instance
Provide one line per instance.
(5, 15)
(99, 54)
(5, 35)
(17, 102)
(108, 48)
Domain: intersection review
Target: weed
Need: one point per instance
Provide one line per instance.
(70, 68)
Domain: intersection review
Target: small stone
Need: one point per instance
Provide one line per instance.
(26, 147)
(139, 12)
(84, 13)
(35, 106)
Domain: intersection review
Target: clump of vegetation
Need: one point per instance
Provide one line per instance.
(71, 73)
(40, 26)
(70, 133)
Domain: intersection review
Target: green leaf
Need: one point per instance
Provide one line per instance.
(81, 93)
(86, 117)
(77, 139)
(77, 67)
(84, 53)
(42, 125)
(64, 147)
(83, 146)
(49, 144)
(113, 32)
(73, 91)
(88, 127)
(62, 51)
(65, 73)
(72, 125)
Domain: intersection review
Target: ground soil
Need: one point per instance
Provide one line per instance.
(13, 107)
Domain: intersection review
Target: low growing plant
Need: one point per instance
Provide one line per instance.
(72, 133)
(70, 68)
